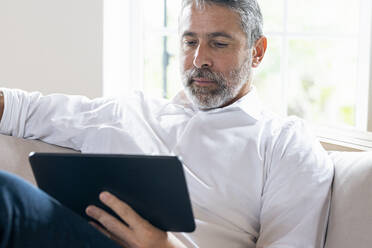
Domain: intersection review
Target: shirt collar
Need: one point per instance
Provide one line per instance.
(249, 104)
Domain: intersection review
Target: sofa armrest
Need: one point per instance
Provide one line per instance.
(14, 155)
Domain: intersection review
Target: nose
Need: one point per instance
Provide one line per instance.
(202, 57)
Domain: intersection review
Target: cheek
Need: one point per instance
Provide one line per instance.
(225, 65)
(229, 62)
(186, 61)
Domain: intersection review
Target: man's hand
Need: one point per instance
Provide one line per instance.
(1, 105)
(139, 233)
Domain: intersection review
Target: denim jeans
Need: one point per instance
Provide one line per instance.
(31, 218)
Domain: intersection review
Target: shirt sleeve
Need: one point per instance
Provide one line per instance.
(56, 119)
(297, 190)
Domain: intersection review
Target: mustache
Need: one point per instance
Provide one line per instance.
(204, 73)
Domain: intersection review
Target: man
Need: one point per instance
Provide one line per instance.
(255, 180)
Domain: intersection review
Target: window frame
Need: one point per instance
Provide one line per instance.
(363, 118)
(368, 10)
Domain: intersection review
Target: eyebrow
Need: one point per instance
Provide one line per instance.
(210, 35)
(187, 33)
(220, 34)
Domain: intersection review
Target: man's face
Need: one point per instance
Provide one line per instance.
(215, 59)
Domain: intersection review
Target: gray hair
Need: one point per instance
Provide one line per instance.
(249, 11)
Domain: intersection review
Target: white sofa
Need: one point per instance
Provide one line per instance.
(350, 222)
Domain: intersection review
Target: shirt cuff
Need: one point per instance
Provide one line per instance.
(12, 122)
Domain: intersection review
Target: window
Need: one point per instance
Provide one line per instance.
(141, 47)
(319, 61)
(161, 65)
(317, 64)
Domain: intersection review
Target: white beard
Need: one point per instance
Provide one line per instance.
(227, 88)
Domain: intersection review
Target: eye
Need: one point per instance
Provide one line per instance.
(220, 44)
(190, 43)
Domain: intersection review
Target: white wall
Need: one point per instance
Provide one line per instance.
(52, 46)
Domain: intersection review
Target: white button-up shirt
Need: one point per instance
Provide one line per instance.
(255, 180)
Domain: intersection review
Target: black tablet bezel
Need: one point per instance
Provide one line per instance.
(154, 186)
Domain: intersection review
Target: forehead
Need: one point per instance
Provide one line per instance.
(210, 18)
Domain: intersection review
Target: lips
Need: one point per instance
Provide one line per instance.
(203, 81)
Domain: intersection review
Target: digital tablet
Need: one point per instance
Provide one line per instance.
(154, 186)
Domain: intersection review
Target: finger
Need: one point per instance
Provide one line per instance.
(113, 225)
(109, 235)
(122, 209)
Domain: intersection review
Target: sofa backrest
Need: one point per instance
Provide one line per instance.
(350, 220)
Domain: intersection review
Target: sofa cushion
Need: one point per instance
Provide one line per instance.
(14, 155)
(350, 221)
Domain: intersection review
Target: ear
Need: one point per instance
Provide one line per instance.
(259, 50)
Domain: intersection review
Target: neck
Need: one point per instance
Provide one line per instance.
(244, 91)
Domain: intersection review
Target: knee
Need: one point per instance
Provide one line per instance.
(13, 205)
(10, 182)
(8, 192)
(13, 191)
(21, 197)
